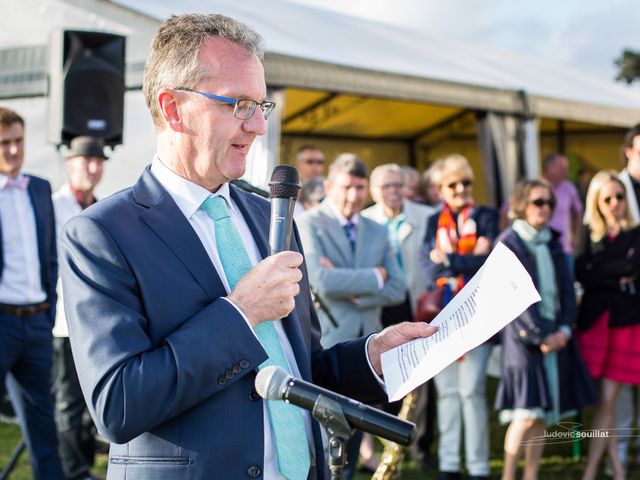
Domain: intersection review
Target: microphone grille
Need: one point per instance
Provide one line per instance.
(269, 382)
(284, 182)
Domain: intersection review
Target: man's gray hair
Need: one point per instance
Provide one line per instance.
(380, 170)
(410, 173)
(173, 58)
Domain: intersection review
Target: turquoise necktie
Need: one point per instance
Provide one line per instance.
(286, 420)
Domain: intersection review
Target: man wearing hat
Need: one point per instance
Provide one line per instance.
(76, 432)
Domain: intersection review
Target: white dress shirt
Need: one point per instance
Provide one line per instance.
(65, 206)
(189, 197)
(20, 283)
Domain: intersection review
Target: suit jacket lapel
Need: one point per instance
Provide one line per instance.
(409, 223)
(255, 216)
(405, 229)
(1, 250)
(363, 239)
(293, 330)
(165, 218)
(336, 234)
(39, 207)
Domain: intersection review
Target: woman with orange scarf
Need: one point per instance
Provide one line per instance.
(458, 241)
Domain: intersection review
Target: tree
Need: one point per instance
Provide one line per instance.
(628, 66)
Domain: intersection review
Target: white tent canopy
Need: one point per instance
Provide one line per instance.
(407, 62)
(397, 83)
(319, 49)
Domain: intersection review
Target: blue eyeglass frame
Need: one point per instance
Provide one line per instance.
(269, 106)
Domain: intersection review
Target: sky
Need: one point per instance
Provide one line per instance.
(588, 34)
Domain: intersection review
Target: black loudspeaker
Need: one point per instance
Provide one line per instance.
(86, 86)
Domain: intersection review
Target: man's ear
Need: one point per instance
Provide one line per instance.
(374, 193)
(168, 105)
(327, 186)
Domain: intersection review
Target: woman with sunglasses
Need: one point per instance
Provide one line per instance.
(607, 265)
(543, 377)
(457, 242)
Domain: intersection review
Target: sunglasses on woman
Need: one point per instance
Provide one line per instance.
(618, 196)
(466, 183)
(541, 202)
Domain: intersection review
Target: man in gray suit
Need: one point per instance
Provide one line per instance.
(350, 261)
(406, 223)
(349, 257)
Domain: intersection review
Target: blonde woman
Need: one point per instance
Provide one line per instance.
(457, 242)
(607, 265)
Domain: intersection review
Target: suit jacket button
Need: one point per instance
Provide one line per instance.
(253, 395)
(228, 374)
(244, 364)
(236, 369)
(222, 379)
(253, 471)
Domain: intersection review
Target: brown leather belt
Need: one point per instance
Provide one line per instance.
(23, 311)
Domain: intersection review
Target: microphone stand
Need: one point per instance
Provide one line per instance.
(248, 187)
(320, 305)
(329, 414)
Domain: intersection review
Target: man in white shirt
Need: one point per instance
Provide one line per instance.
(406, 225)
(76, 432)
(28, 272)
(165, 324)
(405, 222)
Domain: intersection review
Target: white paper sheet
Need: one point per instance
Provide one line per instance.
(500, 291)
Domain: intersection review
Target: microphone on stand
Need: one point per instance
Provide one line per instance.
(283, 189)
(273, 383)
(249, 187)
(320, 305)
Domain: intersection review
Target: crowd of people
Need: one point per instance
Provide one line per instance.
(571, 350)
(171, 303)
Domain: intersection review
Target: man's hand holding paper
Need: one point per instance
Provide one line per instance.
(498, 293)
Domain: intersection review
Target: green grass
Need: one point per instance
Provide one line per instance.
(558, 462)
(9, 438)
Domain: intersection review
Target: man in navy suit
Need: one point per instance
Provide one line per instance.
(28, 271)
(166, 349)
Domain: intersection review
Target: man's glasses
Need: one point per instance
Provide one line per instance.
(618, 196)
(387, 186)
(541, 202)
(243, 109)
(314, 161)
(466, 183)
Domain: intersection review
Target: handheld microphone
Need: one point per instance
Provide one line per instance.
(283, 188)
(273, 383)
